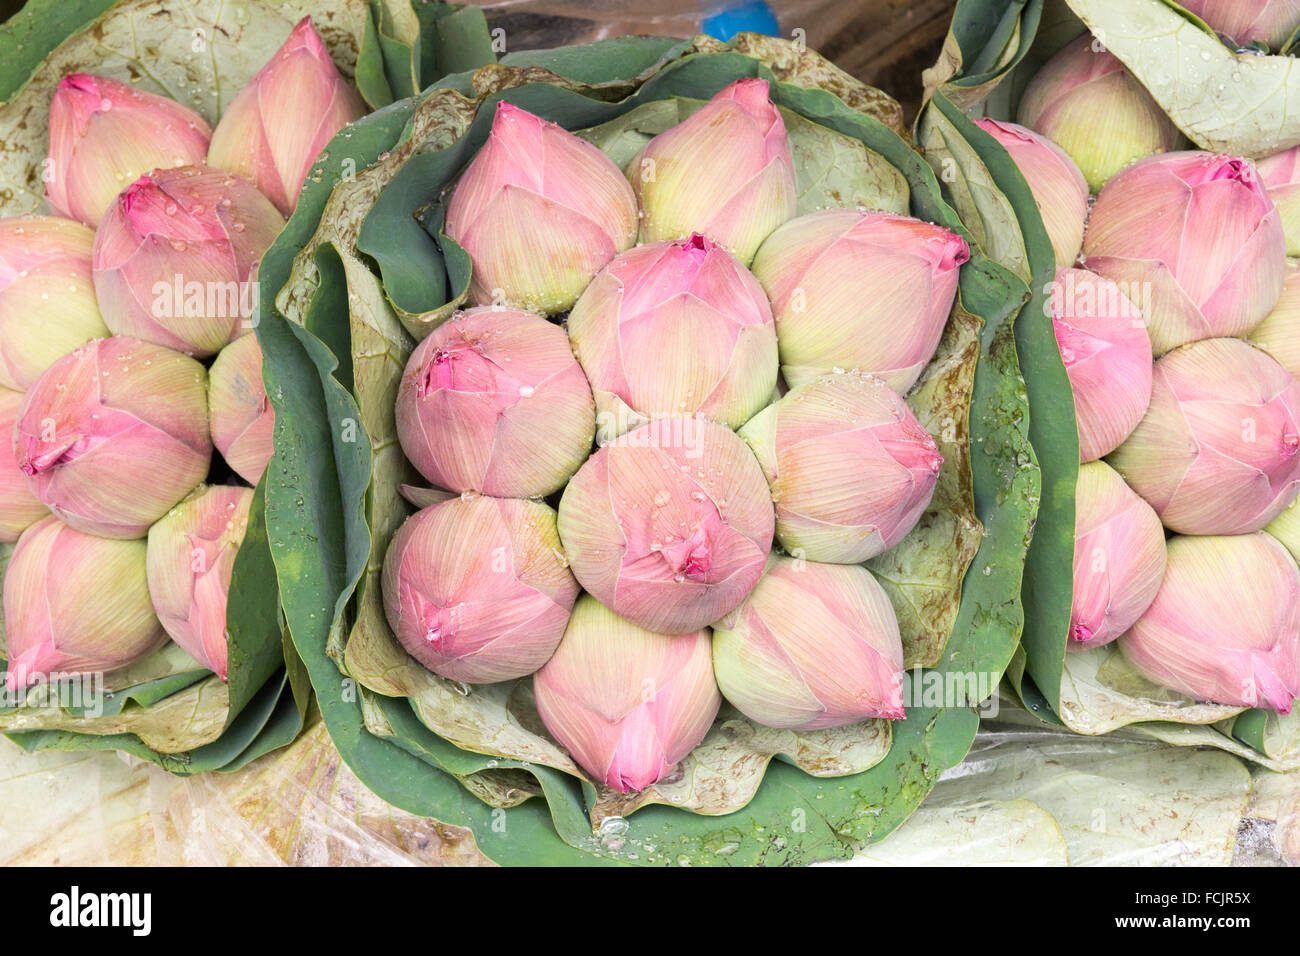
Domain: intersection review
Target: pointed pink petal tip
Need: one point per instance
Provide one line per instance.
(79, 83)
(304, 37)
(752, 94)
(1231, 167)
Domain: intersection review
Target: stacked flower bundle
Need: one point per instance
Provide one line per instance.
(739, 369)
(1173, 306)
(126, 359)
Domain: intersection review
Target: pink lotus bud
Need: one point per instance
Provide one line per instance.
(1216, 450)
(1225, 626)
(851, 468)
(104, 134)
(114, 434)
(1107, 356)
(1150, 230)
(476, 589)
(240, 415)
(1249, 21)
(1280, 174)
(191, 556)
(669, 525)
(1119, 557)
(18, 506)
(47, 299)
(1088, 104)
(1279, 333)
(175, 258)
(813, 646)
(494, 401)
(273, 130)
(1060, 191)
(675, 328)
(626, 703)
(725, 171)
(75, 603)
(824, 273)
(540, 212)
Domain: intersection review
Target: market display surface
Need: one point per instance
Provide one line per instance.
(650, 451)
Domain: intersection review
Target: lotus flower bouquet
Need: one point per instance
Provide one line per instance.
(1162, 387)
(136, 419)
(650, 423)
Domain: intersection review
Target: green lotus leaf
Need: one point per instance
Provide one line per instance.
(1274, 747)
(1224, 101)
(1101, 691)
(984, 209)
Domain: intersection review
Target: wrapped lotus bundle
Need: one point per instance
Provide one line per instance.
(532, 295)
(141, 608)
(1184, 261)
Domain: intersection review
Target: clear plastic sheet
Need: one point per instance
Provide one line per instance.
(1026, 795)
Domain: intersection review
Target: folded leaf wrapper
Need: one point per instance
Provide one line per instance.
(993, 50)
(363, 271)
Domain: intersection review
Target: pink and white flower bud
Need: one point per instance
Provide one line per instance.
(824, 273)
(240, 415)
(176, 254)
(104, 134)
(476, 588)
(725, 171)
(669, 525)
(1225, 625)
(1279, 333)
(627, 704)
(1198, 234)
(675, 328)
(1107, 355)
(850, 467)
(813, 646)
(494, 401)
(271, 133)
(1086, 102)
(1059, 189)
(47, 298)
(75, 603)
(1249, 21)
(1119, 557)
(1280, 174)
(19, 508)
(191, 556)
(540, 211)
(1216, 452)
(114, 434)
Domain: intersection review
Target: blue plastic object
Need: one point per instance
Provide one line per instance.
(754, 17)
